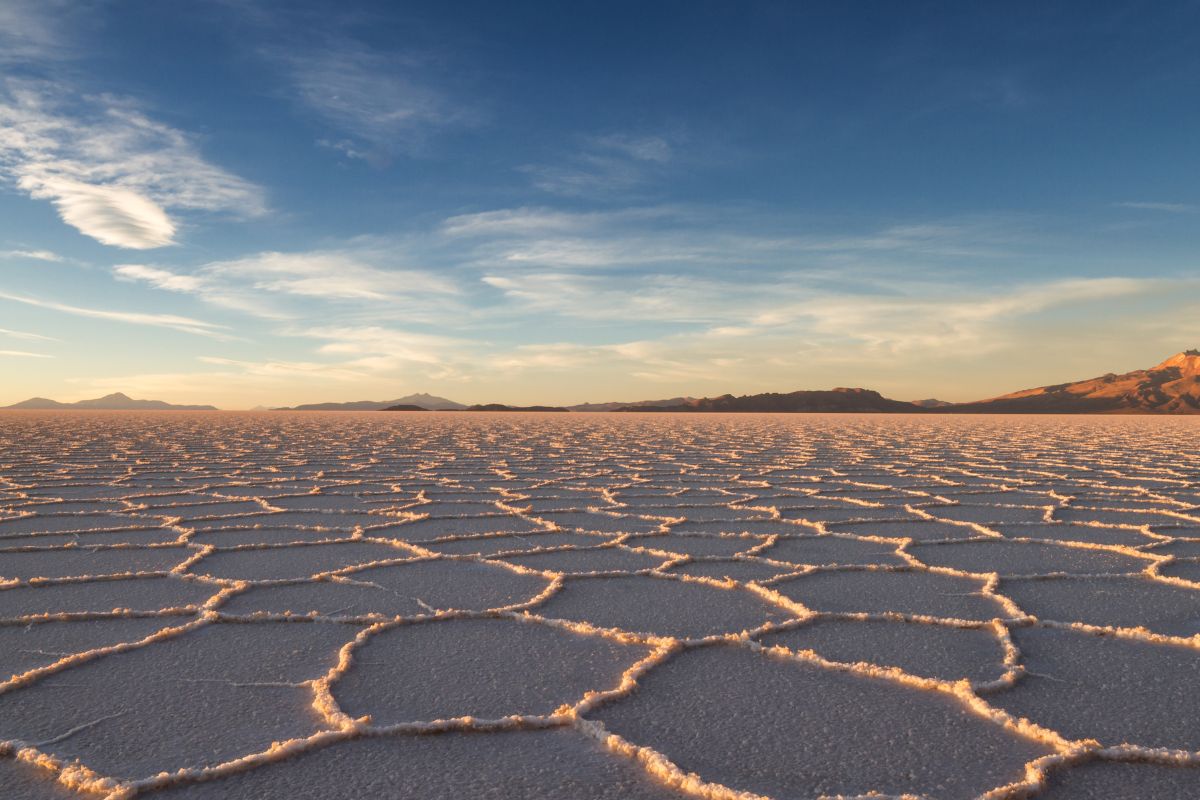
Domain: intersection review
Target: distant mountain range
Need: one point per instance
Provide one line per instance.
(835, 400)
(110, 402)
(427, 402)
(1172, 387)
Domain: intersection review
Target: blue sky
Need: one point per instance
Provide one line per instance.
(254, 203)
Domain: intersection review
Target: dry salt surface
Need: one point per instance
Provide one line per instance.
(593, 606)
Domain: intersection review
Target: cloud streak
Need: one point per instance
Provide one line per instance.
(171, 321)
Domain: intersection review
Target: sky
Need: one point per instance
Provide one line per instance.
(254, 203)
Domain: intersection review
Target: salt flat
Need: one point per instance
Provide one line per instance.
(335, 605)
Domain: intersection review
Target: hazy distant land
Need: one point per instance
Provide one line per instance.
(1172, 387)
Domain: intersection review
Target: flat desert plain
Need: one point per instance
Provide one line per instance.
(585, 606)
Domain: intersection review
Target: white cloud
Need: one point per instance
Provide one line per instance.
(32, 337)
(112, 172)
(109, 214)
(171, 321)
(23, 354)
(34, 255)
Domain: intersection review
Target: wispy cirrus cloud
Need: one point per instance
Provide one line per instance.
(33, 255)
(111, 171)
(31, 337)
(23, 354)
(171, 321)
(376, 102)
(604, 165)
(260, 284)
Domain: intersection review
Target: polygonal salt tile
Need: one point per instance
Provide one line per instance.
(743, 570)
(74, 522)
(557, 763)
(26, 647)
(930, 651)
(1026, 558)
(1113, 780)
(921, 530)
(659, 606)
(1117, 516)
(134, 594)
(1119, 602)
(697, 545)
(1187, 570)
(903, 592)
(819, 550)
(985, 515)
(782, 728)
(196, 699)
(490, 545)
(423, 530)
(603, 559)
(403, 589)
(78, 561)
(301, 561)
(1115, 690)
(1061, 532)
(235, 537)
(488, 668)
(760, 527)
(305, 519)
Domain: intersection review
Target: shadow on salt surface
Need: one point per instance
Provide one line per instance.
(789, 729)
(485, 668)
(191, 700)
(832, 550)
(25, 782)
(403, 589)
(63, 563)
(136, 594)
(1026, 558)
(301, 561)
(1116, 690)
(1119, 602)
(903, 591)
(942, 652)
(1124, 781)
(560, 764)
(661, 606)
(25, 647)
(602, 559)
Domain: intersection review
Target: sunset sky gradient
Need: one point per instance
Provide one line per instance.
(247, 203)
